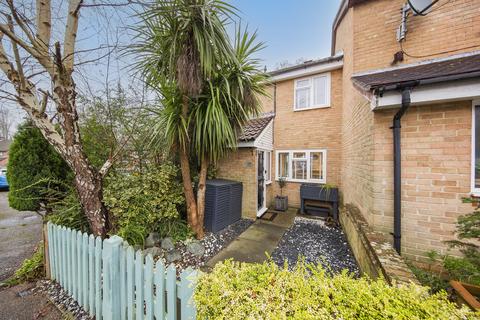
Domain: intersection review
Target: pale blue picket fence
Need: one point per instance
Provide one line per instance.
(111, 281)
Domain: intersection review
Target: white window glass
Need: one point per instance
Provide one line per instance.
(303, 98)
(316, 165)
(477, 148)
(283, 164)
(268, 165)
(302, 165)
(299, 166)
(320, 91)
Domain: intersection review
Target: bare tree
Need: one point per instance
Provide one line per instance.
(23, 43)
(5, 123)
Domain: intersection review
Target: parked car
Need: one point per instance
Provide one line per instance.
(3, 179)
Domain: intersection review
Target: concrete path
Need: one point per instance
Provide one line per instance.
(20, 232)
(22, 302)
(259, 239)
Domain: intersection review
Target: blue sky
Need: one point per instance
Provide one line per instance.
(292, 29)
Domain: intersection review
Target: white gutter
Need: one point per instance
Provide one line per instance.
(308, 70)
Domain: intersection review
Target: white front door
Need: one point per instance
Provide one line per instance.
(261, 183)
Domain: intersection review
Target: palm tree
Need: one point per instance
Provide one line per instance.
(207, 85)
(230, 98)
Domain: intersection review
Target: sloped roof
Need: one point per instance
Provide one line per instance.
(254, 127)
(462, 67)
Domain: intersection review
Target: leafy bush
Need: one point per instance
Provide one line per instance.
(141, 203)
(429, 278)
(67, 211)
(466, 268)
(177, 229)
(265, 291)
(30, 269)
(33, 167)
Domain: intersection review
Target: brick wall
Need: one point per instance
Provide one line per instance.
(357, 131)
(308, 129)
(435, 138)
(450, 28)
(240, 165)
(436, 164)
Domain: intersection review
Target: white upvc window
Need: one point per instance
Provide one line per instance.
(312, 92)
(476, 148)
(302, 165)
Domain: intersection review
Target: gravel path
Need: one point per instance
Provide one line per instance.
(317, 243)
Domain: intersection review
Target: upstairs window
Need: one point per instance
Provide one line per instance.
(313, 92)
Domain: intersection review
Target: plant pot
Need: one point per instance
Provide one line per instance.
(281, 203)
(467, 294)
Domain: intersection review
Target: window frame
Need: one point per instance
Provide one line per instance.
(475, 191)
(311, 79)
(268, 166)
(307, 152)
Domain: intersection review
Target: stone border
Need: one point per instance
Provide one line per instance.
(373, 250)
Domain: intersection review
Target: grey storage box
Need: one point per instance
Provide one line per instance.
(223, 204)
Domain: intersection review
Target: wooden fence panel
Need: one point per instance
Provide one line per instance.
(130, 283)
(111, 281)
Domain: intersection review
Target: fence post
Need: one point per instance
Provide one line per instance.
(111, 278)
(46, 251)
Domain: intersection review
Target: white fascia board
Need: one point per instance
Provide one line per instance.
(307, 71)
(432, 93)
(246, 144)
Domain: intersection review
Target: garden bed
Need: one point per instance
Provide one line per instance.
(316, 243)
(212, 243)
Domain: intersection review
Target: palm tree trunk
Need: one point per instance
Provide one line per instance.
(188, 191)
(192, 217)
(201, 196)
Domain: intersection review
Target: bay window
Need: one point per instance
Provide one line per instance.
(313, 92)
(302, 165)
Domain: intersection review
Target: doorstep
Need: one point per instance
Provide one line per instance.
(260, 239)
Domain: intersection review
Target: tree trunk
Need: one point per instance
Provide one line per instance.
(89, 186)
(87, 181)
(192, 218)
(201, 196)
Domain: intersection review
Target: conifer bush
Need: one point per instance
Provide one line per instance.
(34, 167)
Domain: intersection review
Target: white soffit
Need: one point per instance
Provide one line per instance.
(432, 93)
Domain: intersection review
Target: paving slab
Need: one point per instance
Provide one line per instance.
(260, 239)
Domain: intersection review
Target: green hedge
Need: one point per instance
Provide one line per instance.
(265, 291)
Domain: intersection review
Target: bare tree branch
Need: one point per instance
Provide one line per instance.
(71, 33)
(44, 23)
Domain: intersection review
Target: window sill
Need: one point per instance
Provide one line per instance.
(311, 108)
(268, 183)
(304, 181)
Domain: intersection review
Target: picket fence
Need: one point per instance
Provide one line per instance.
(111, 281)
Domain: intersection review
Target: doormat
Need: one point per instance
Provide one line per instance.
(269, 216)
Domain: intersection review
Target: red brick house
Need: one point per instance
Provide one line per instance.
(391, 123)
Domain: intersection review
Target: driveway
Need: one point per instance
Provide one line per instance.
(20, 232)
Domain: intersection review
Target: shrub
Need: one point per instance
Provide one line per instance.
(265, 291)
(466, 268)
(141, 203)
(30, 269)
(33, 167)
(67, 211)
